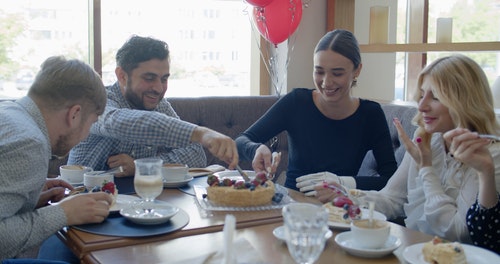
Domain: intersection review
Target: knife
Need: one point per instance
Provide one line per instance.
(243, 174)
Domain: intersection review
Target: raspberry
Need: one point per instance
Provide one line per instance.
(239, 185)
(212, 180)
(227, 182)
(261, 177)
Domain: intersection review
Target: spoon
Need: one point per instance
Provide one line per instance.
(371, 206)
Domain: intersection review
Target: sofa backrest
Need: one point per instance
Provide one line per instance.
(404, 112)
(231, 115)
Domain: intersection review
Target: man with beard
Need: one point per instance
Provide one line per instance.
(138, 122)
(65, 99)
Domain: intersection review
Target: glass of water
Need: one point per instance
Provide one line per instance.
(305, 228)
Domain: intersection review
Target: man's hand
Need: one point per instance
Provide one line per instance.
(53, 191)
(124, 160)
(221, 146)
(86, 208)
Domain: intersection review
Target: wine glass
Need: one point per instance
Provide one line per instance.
(305, 228)
(148, 182)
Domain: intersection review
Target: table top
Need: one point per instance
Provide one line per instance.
(200, 222)
(270, 249)
(204, 234)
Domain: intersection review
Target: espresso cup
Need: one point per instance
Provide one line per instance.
(73, 173)
(370, 235)
(96, 178)
(172, 172)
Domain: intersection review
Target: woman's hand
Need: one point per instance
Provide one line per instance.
(262, 159)
(328, 191)
(420, 152)
(468, 148)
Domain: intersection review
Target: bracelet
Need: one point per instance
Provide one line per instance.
(336, 189)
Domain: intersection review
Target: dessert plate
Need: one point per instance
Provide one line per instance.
(122, 201)
(364, 215)
(161, 213)
(345, 242)
(176, 184)
(413, 254)
(279, 233)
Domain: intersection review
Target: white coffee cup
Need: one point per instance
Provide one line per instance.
(172, 172)
(370, 236)
(73, 173)
(96, 178)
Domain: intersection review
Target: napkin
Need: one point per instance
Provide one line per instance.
(245, 252)
(228, 231)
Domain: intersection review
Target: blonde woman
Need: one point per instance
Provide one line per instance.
(437, 181)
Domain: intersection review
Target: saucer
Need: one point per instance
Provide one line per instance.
(122, 201)
(344, 241)
(279, 233)
(176, 184)
(162, 212)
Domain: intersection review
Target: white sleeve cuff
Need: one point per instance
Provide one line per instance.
(348, 182)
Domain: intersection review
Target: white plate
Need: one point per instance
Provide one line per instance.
(365, 213)
(163, 211)
(122, 201)
(344, 241)
(473, 254)
(175, 184)
(234, 174)
(279, 233)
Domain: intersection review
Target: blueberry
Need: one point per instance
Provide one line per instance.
(277, 197)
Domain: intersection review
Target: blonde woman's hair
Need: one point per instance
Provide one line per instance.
(461, 85)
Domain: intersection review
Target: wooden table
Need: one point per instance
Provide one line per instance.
(200, 222)
(271, 250)
(202, 235)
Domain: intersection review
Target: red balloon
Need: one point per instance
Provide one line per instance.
(278, 20)
(259, 3)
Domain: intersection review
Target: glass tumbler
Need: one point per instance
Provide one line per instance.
(305, 228)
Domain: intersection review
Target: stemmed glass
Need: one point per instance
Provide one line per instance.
(148, 182)
(306, 226)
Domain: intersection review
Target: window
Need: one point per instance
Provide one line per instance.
(209, 40)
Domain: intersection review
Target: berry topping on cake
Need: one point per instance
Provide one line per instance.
(343, 209)
(107, 187)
